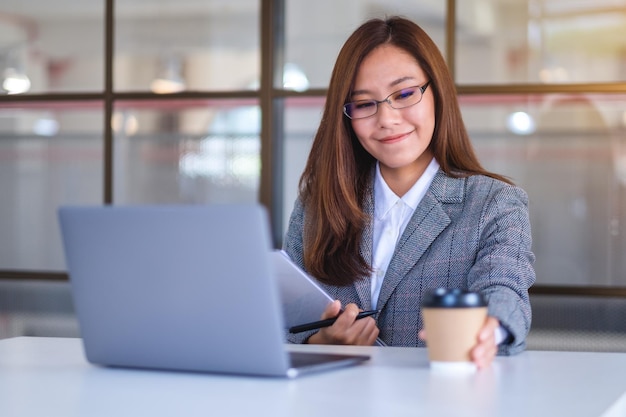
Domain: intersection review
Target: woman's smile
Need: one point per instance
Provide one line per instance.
(395, 138)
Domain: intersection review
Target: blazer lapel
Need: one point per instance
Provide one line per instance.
(363, 286)
(427, 222)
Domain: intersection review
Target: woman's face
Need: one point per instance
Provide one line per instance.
(397, 138)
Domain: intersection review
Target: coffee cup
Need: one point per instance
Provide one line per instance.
(452, 319)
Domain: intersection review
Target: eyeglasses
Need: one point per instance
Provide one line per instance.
(398, 100)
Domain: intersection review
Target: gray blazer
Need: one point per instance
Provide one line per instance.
(471, 233)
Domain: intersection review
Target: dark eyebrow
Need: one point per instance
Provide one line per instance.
(392, 84)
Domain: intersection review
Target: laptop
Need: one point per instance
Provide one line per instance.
(183, 287)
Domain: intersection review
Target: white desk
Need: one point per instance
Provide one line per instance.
(50, 377)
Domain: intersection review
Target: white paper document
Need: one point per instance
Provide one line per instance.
(303, 299)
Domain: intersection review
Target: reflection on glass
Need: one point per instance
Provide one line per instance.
(521, 123)
(48, 157)
(166, 47)
(40, 51)
(573, 167)
(169, 78)
(302, 117)
(540, 41)
(227, 160)
(314, 35)
(15, 81)
(195, 153)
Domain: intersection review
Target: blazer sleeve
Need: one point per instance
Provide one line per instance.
(293, 241)
(503, 270)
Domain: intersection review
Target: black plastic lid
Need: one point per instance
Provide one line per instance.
(453, 298)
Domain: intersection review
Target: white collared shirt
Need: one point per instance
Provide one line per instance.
(391, 215)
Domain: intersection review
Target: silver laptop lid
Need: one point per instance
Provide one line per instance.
(175, 287)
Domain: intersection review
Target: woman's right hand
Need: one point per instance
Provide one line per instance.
(346, 330)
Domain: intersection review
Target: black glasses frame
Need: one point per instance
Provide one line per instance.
(347, 106)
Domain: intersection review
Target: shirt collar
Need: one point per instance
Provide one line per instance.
(384, 198)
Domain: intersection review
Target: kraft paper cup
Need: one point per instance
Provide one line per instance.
(452, 319)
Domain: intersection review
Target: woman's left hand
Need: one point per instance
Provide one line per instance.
(485, 350)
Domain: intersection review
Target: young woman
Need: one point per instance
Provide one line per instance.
(393, 201)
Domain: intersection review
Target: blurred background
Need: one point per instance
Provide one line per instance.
(196, 102)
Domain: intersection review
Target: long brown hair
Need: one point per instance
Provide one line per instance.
(338, 170)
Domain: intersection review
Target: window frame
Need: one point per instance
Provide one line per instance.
(272, 103)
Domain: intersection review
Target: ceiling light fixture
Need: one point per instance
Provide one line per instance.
(170, 78)
(15, 82)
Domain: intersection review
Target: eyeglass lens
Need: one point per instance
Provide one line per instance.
(397, 100)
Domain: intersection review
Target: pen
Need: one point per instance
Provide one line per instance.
(325, 323)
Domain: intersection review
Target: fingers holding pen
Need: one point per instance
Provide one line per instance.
(347, 329)
(350, 331)
(332, 310)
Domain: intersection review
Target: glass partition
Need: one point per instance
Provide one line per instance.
(569, 153)
(540, 41)
(50, 155)
(302, 117)
(567, 150)
(314, 35)
(40, 50)
(186, 152)
(166, 47)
